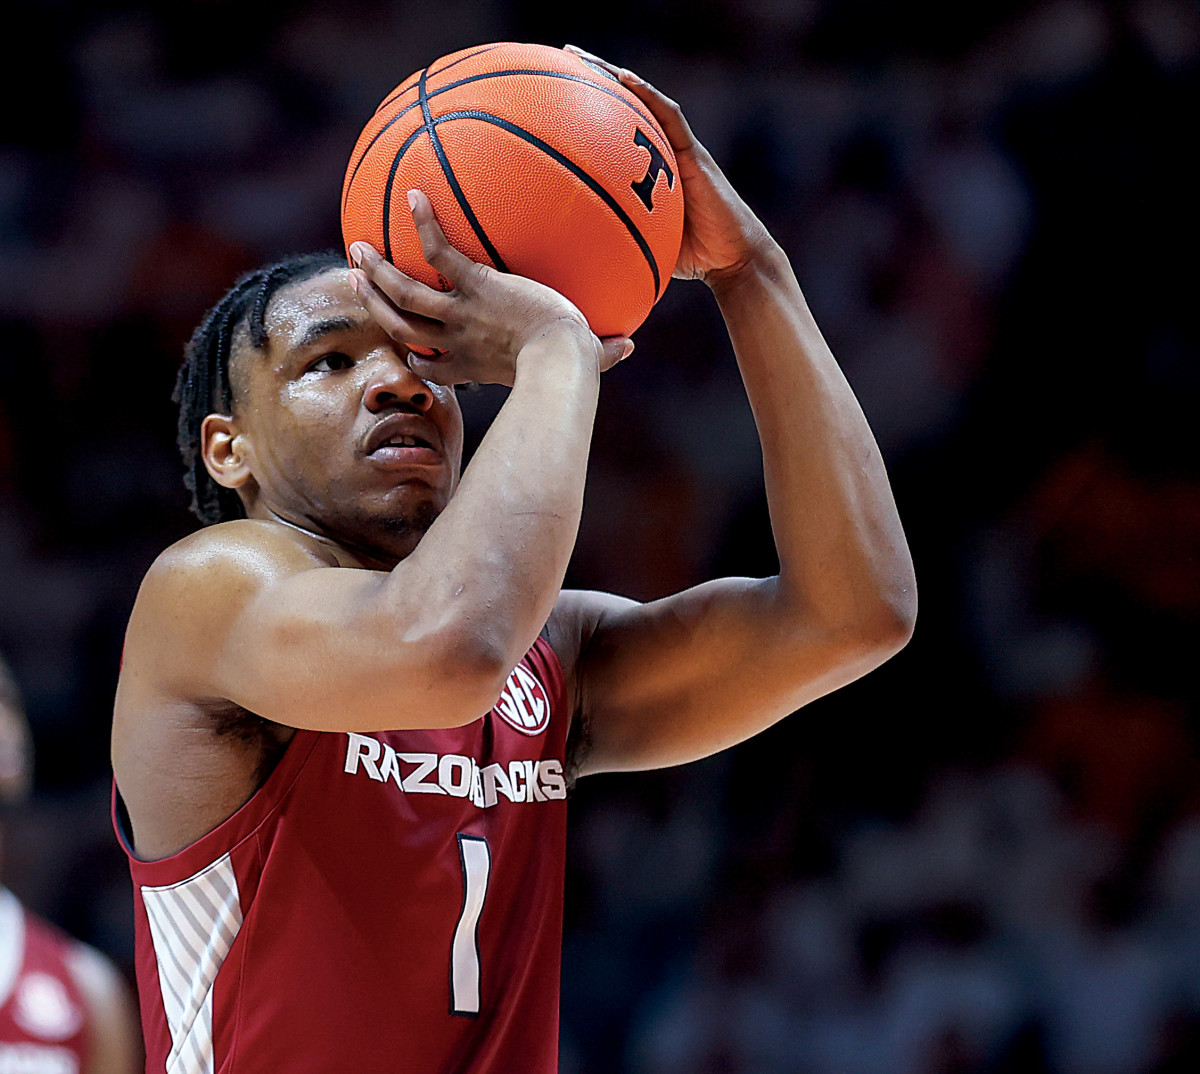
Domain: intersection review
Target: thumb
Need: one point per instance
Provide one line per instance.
(615, 349)
(436, 368)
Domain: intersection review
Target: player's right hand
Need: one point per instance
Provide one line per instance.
(721, 234)
(482, 324)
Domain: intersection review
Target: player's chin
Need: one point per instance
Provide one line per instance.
(408, 529)
(392, 524)
(413, 504)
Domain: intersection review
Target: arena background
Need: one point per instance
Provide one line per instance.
(984, 857)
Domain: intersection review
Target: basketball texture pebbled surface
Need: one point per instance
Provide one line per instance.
(536, 162)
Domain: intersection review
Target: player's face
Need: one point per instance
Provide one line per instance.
(342, 437)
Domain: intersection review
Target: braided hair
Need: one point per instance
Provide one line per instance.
(203, 386)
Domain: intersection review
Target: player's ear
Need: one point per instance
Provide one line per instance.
(225, 450)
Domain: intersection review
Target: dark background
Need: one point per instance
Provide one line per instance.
(984, 856)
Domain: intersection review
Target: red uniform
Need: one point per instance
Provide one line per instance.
(389, 902)
(42, 1014)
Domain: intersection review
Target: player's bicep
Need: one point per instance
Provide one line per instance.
(677, 679)
(303, 650)
(335, 649)
(303, 646)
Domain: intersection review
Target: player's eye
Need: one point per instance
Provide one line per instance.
(331, 363)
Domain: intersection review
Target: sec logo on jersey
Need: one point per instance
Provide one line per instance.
(523, 704)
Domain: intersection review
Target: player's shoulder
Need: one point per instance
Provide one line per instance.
(205, 576)
(242, 550)
(194, 592)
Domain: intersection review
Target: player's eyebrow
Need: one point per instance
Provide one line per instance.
(318, 330)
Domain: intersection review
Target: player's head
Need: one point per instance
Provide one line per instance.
(204, 385)
(281, 396)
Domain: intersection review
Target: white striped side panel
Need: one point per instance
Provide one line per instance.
(193, 925)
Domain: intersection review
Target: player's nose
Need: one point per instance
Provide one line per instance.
(390, 382)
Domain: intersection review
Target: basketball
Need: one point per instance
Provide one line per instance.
(536, 162)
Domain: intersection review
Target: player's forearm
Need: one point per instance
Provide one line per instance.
(501, 547)
(843, 557)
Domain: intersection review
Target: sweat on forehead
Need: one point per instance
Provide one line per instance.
(295, 305)
(288, 317)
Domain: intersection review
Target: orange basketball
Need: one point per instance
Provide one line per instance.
(536, 162)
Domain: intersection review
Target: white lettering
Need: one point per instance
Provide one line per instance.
(509, 705)
(390, 767)
(364, 749)
(460, 787)
(495, 779)
(550, 776)
(517, 776)
(522, 703)
(533, 792)
(414, 782)
(529, 692)
(453, 774)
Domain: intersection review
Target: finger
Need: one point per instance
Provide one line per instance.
(614, 349)
(402, 290)
(401, 325)
(438, 369)
(668, 113)
(437, 249)
(593, 60)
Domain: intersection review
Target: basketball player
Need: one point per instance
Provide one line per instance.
(64, 1007)
(351, 705)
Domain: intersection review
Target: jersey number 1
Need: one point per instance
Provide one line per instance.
(476, 860)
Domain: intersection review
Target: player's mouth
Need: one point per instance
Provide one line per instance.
(404, 440)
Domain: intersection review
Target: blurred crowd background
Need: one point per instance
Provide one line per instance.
(984, 857)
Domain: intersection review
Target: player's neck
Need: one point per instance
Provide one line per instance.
(347, 553)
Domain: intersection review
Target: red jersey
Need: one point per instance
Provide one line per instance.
(42, 1014)
(386, 902)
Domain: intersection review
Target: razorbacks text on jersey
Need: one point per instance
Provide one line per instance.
(386, 902)
(43, 1026)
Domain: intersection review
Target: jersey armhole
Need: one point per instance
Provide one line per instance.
(263, 804)
(545, 659)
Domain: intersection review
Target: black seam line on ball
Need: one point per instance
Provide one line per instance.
(528, 71)
(387, 192)
(388, 101)
(494, 74)
(547, 74)
(574, 169)
(600, 70)
(451, 179)
(461, 59)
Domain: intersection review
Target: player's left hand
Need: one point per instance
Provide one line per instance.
(721, 234)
